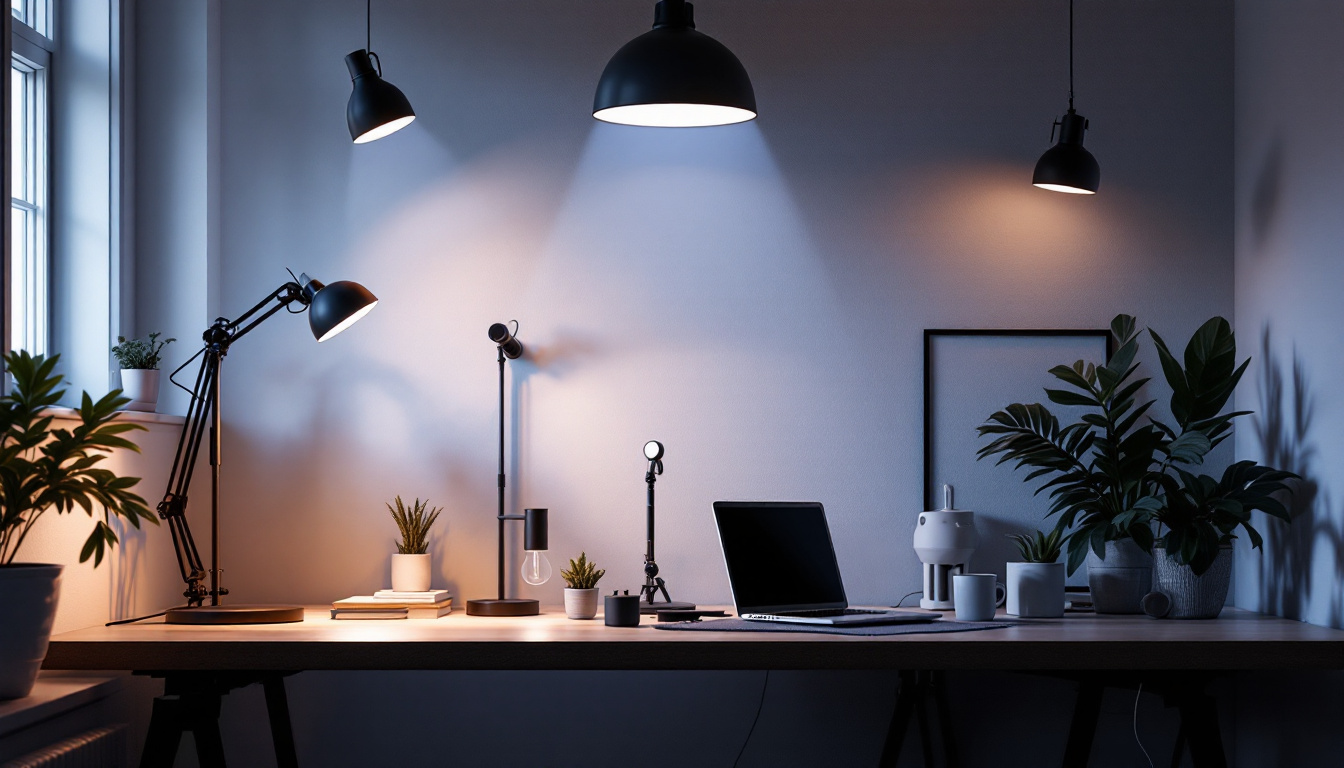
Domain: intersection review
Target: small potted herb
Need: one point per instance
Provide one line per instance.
(411, 569)
(139, 360)
(581, 587)
(1036, 585)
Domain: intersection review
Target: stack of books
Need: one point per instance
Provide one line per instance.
(388, 604)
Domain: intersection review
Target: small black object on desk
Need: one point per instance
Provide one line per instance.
(688, 614)
(621, 610)
(653, 584)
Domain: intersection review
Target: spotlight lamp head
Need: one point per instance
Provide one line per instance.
(674, 77)
(1067, 166)
(335, 307)
(653, 450)
(376, 108)
(508, 341)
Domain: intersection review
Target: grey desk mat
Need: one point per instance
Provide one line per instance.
(742, 625)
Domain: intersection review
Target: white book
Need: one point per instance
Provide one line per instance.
(395, 613)
(433, 596)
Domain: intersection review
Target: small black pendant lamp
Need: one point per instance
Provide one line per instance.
(674, 77)
(377, 108)
(1067, 166)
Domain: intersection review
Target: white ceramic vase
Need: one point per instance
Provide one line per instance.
(141, 385)
(28, 596)
(411, 573)
(1036, 590)
(581, 603)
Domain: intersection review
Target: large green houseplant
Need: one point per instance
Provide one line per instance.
(1119, 474)
(43, 469)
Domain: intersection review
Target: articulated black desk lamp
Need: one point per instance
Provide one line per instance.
(653, 584)
(331, 309)
(536, 568)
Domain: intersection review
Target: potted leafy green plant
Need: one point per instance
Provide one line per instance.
(1114, 475)
(1036, 585)
(44, 469)
(139, 360)
(411, 567)
(581, 587)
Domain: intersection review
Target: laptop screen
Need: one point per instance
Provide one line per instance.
(779, 556)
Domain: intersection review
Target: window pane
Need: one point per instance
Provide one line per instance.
(17, 7)
(18, 134)
(18, 316)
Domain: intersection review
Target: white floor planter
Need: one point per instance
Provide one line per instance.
(141, 385)
(581, 603)
(411, 573)
(1036, 590)
(28, 596)
(1119, 582)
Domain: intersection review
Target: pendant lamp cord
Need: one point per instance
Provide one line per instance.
(368, 32)
(1070, 55)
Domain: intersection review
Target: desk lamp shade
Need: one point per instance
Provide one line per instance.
(1067, 166)
(333, 308)
(377, 108)
(674, 77)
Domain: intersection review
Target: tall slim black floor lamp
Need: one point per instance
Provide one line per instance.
(331, 309)
(534, 520)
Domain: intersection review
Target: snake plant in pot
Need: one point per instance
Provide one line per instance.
(1117, 474)
(42, 469)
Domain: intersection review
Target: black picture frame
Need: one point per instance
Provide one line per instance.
(930, 334)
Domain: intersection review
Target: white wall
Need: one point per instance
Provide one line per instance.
(752, 296)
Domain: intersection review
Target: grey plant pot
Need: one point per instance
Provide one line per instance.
(28, 596)
(1119, 582)
(1193, 597)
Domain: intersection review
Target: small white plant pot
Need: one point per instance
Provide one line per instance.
(411, 573)
(141, 385)
(28, 597)
(581, 603)
(1036, 590)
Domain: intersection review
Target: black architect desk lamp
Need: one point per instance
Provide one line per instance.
(536, 568)
(331, 309)
(653, 584)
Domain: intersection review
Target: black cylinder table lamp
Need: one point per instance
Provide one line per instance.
(331, 309)
(536, 568)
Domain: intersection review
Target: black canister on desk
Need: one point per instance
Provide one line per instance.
(621, 610)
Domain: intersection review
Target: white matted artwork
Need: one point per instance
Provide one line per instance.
(968, 375)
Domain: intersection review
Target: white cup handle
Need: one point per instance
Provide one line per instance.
(1000, 594)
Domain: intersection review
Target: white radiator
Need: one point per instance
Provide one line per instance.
(99, 748)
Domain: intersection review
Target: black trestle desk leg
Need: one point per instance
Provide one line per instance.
(165, 733)
(1199, 721)
(1086, 712)
(939, 681)
(277, 708)
(900, 721)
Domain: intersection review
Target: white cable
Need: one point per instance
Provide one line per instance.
(1139, 741)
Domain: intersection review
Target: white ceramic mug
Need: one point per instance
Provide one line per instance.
(976, 595)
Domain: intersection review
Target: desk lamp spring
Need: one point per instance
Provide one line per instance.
(653, 583)
(331, 309)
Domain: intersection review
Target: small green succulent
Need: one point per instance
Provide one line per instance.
(582, 573)
(1040, 547)
(414, 523)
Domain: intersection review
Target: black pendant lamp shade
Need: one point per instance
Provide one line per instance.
(377, 108)
(333, 308)
(1067, 166)
(674, 77)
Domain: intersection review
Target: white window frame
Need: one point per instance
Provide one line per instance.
(26, 280)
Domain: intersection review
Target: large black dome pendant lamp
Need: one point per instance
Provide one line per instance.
(1067, 166)
(674, 77)
(377, 108)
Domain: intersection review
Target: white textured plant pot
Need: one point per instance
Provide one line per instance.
(1036, 590)
(410, 573)
(28, 595)
(141, 385)
(1119, 582)
(1193, 597)
(581, 603)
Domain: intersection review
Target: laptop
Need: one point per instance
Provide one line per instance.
(782, 567)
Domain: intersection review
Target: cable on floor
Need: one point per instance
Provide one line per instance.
(759, 706)
(1139, 741)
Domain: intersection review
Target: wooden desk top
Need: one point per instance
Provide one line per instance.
(1239, 640)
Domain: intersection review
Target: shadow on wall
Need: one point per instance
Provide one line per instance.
(1293, 560)
(1265, 197)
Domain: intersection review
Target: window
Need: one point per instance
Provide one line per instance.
(29, 267)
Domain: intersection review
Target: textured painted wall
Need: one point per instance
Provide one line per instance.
(752, 296)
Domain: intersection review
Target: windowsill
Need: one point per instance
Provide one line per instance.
(54, 694)
(143, 417)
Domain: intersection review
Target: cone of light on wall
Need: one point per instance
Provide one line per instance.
(1067, 166)
(674, 77)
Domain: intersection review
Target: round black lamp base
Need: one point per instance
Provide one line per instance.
(509, 606)
(675, 605)
(235, 614)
